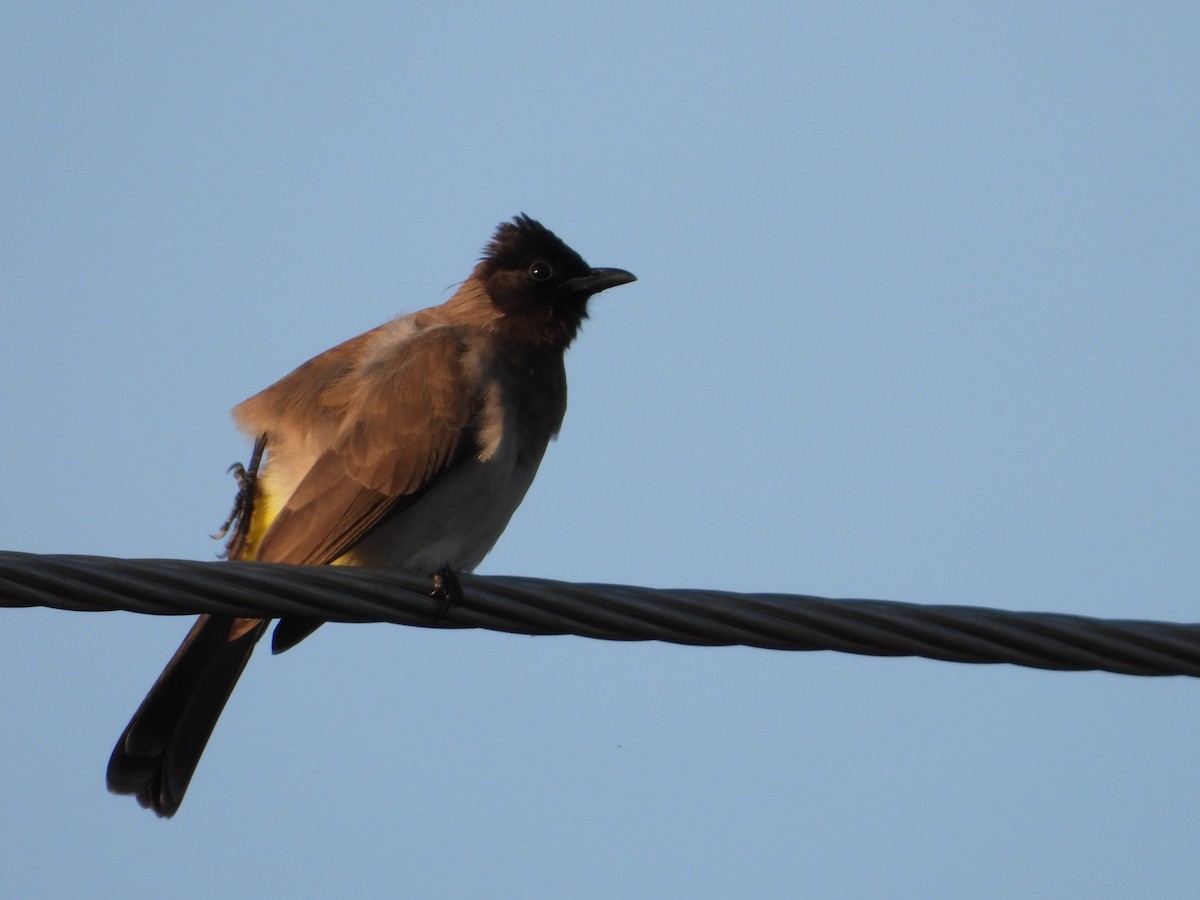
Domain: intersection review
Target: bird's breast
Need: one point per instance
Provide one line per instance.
(459, 519)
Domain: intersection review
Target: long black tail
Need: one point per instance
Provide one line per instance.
(160, 747)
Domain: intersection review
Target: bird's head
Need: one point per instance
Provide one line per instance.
(539, 284)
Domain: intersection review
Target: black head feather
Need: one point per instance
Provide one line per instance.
(522, 241)
(540, 284)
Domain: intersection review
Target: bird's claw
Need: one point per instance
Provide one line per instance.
(446, 590)
(243, 503)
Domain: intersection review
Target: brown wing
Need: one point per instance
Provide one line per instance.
(408, 418)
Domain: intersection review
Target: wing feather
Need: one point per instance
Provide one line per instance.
(408, 416)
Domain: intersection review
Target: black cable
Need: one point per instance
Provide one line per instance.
(612, 612)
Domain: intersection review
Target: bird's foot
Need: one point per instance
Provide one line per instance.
(243, 503)
(245, 482)
(446, 590)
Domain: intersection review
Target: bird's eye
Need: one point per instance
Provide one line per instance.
(541, 271)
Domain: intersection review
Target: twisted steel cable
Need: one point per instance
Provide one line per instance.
(611, 612)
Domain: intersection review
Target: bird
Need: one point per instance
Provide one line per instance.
(408, 447)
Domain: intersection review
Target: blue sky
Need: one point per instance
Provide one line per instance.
(916, 319)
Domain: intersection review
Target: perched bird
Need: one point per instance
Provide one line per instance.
(407, 447)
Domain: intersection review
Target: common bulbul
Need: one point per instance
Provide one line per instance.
(407, 447)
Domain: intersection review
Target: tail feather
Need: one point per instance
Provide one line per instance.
(161, 746)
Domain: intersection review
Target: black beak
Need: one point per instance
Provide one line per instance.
(598, 280)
